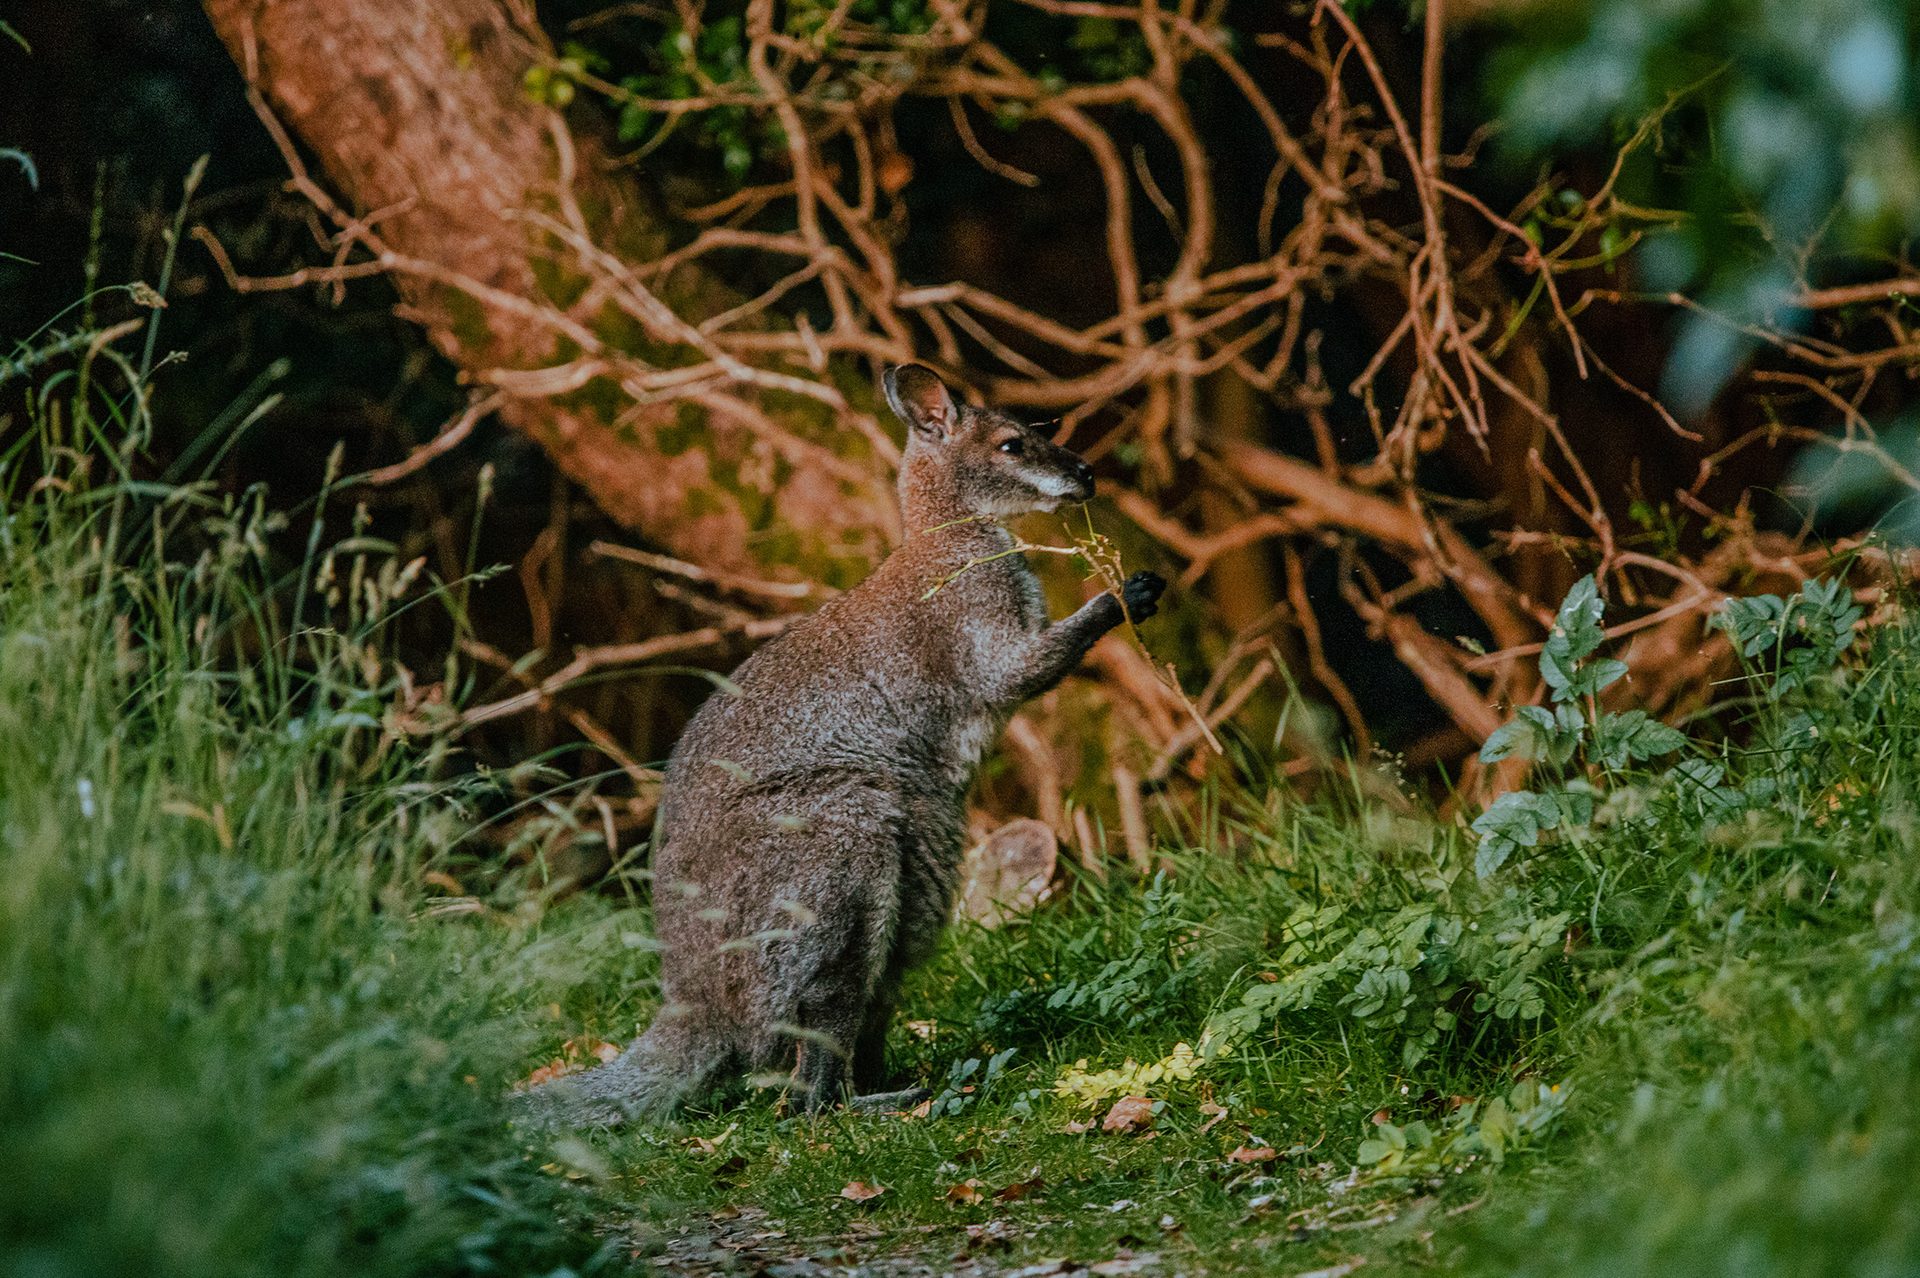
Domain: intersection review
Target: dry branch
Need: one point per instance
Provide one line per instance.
(471, 196)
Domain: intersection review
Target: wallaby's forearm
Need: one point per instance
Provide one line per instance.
(1057, 651)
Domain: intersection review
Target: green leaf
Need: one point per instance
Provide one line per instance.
(1752, 623)
(1537, 734)
(1632, 737)
(1809, 633)
(634, 119)
(1514, 738)
(1513, 821)
(1568, 723)
(1594, 677)
(1576, 635)
(1570, 807)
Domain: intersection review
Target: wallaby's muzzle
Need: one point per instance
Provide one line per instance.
(1083, 475)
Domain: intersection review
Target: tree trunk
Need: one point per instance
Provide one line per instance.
(416, 112)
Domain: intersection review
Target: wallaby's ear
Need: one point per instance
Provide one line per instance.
(921, 399)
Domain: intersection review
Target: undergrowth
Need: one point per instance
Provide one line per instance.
(1653, 1012)
(1671, 1029)
(241, 1031)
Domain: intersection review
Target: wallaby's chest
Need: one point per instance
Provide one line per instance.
(1002, 606)
(904, 668)
(990, 640)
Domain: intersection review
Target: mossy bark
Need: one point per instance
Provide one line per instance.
(417, 115)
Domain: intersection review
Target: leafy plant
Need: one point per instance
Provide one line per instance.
(1147, 979)
(1801, 637)
(1413, 972)
(967, 1081)
(1574, 729)
(1784, 145)
(1791, 644)
(1477, 1130)
(1082, 1083)
(239, 1031)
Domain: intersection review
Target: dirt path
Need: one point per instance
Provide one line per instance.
(746, 1241)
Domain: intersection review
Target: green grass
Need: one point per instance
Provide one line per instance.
(232, 1039)
(243, 1031)
(1714, 983)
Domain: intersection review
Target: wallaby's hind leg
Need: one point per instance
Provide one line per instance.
(870, 1048)
(826, 1068)
(829, 975)
(829, 1026)
(824, 963)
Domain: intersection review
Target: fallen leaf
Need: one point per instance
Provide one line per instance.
(575, 1055)
(702, 1144)
(1126, 1262)
(1021, 1188)
(1215, 1114)
(1129, 1114)
(441, 879)
(1076, 1127)
(859, 1191)
(545, 1074)
(921, 1110)
(1253, 1154)
(966, 1192)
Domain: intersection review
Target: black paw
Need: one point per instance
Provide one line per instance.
(1140, 595)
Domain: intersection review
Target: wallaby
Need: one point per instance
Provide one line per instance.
(813, 815)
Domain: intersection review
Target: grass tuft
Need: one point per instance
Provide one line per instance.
(237, 1033)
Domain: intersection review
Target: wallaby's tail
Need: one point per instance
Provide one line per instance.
(665, 1067)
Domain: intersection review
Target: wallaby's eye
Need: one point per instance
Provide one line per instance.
(1013, 447)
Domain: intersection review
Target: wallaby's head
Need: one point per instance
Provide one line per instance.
(977, 458)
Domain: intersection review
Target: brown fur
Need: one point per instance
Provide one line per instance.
(813, 816)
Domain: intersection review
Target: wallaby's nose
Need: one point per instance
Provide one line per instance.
(1083, 473)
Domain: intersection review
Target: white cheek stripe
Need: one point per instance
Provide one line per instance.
(1053, 485)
